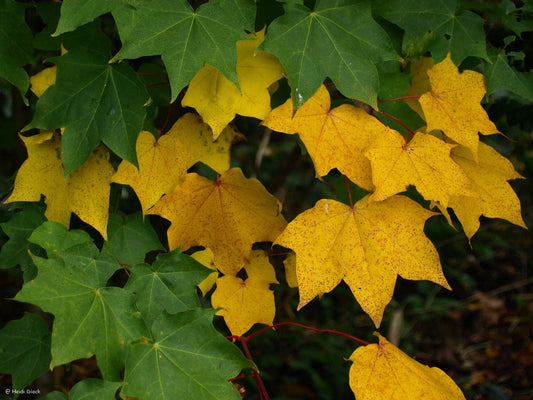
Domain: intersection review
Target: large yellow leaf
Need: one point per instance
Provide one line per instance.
(163, 163)
(495, 197)
(384, 372)
(217, 99)
(244, 303)
(453, 105)
(424, 162)
(366, 246)
(227, 216)
(334, 138)
(84, 192)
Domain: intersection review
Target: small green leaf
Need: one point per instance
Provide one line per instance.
(16, 47)
(25, 349)
(186, 38)
(341, 32)
(501, 76)
(130, 239)
(187, 359)
(87, 389)
(169, 284)
(94, 102)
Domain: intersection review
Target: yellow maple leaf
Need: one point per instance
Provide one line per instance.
(290, 270)
(419, 83)
(334, 138)
(382, 371)
(218, 100)
(163, 162)
(366, 246)
(205, 257)
(453, 105)
(424, 162)
(84, 192)
(243, 303)
(495, 197)
(43, 80)
(227, 216)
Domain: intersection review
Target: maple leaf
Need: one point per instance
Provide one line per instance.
(453, 105)
(43, 80)
(168, 284)
(84, 192)
(205, 257)
(16, 47)
(94, 102)
(227, 216)
(366, 246)
(163, 162)
(244, 303)
(502, 76)
(495, 197)
(217, 99)
(342, 32)
(25, 349)
(384, 372)
(89, 317)
(186, 38)
(424, 162)
(440, 29)
(334, 138)
(290, 270)
(419, 82)
(184, 350)
(88, 388)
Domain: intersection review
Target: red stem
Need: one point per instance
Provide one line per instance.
(153, 74)
(283, 253)
(255, 374)
(166, 121)
(349, 191)
(397, 120)
(156, 84)
(399, 98)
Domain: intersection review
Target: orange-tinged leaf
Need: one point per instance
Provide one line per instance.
(245, 303)
(218, 100)
(84, 192)
(334, 138)
(160, 169)
(495, 197)
(43, 80)
(453, 105)
(215, 98)
(424, 162)
(384, 372)
(366, 246)
(227, 216)
(205, 257)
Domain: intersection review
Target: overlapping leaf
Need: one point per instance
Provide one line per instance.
(334, 138)
(186, 38)
(94, 102)
(424, 162)
(84, 192)
(244, 303)
(501, 76)
(453, 105)
(366, 246)
(495, 197)
(440, 29)
(228, 216)
(217, 99)
(384, 372)
(185, 358)
(90, 318)
(25, 349)
(342, 32)
(89, 388)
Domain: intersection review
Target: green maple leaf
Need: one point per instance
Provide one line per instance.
(343, 33)
(169, 284)
(16, 47)
(90, 318)
(19, 228)
(129, 239)
(25, 349)
(440, 28)
(94, 102)
(186, 38)
(186, 359)
(501, 76)
(87, 389)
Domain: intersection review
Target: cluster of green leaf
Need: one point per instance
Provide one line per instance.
(122, 68)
